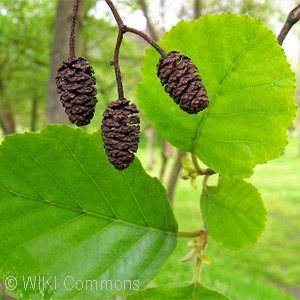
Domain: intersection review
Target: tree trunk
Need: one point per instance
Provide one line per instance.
(34, 115)
(166, 153)
(197, 9)
(149, 131)
(150, 26)
(60, 51)
(7, 119)
(174, 175)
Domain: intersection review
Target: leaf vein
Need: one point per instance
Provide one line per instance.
(238, 141)
(42, 234)
(85, 171)
(117, 260)
(47, 172)
(135, 200)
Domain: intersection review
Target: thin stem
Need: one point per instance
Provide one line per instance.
(293, 18)
(122, 30)
(199, 170)
(116, 65)
(115, 13)
(196, 165)
(115, 61)
(148, 39)
(189, 234)
(199, 262)
(141, 34)
(72, 31)
(204, 182)
(197, 270)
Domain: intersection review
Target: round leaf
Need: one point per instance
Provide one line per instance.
(179, 291)
(250, 86)
(68, 216)
(233, 213)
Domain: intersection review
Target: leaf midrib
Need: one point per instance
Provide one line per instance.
(83, 213)
(217, 93)
(85, 172)
(123, 254)
(222, 203)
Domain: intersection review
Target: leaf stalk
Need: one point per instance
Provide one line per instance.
(198, 168)
(199, 257)
(188, 234)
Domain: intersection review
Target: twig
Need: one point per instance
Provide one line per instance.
(293, 18)
(122, 30)
(148, 39)
(72, 31)
(125, 29)
(115, 13)
(115, 62)
(116, 65)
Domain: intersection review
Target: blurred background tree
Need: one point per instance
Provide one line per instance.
(25, 32)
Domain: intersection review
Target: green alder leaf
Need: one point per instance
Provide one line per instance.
(68, 216)
(233, 213)
(250, 86)
(178, 291)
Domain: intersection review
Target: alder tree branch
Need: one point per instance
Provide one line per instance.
(148, 39)
(72, 31)
(122, 29)
(116, 65)
(115, 62)
(115, 13)
(293, 18)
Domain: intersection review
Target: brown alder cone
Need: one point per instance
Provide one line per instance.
(177, 74)
(120, 132)
(76, 85)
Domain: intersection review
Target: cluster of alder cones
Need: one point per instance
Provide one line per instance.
(120, 125)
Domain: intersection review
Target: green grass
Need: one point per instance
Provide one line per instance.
(268, 270)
